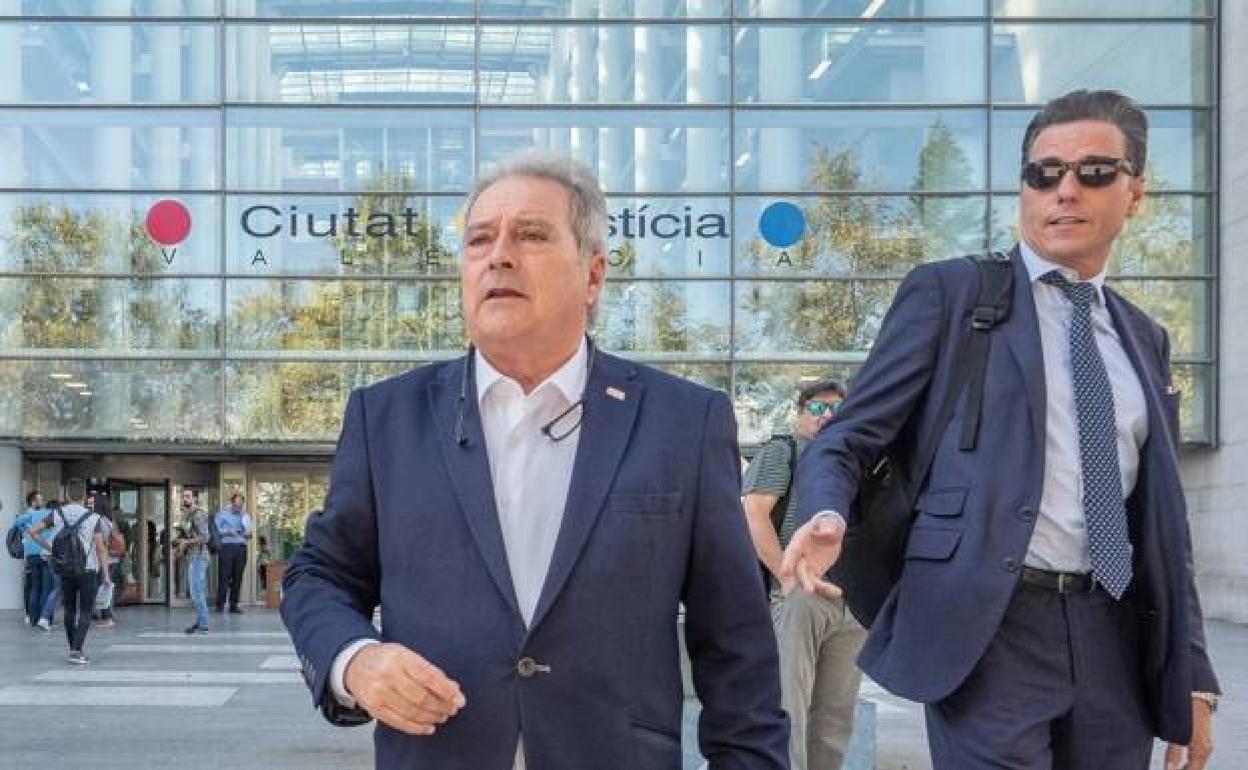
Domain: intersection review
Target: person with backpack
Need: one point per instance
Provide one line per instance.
(38, 583)
(1046, 611)
(80, 558)
(197, 546)
(818, 637)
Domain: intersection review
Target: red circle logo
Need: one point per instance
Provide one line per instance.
(168, 222)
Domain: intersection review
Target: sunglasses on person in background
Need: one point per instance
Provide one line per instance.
(1047, 173)
(821, 408)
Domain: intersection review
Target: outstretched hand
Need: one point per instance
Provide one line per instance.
(815, 547)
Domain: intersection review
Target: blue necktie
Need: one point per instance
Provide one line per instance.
(1109, 543)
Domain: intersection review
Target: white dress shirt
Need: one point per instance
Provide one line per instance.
(1060, 539)
(531, 474)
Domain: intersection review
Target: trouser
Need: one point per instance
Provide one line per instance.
(78, 593)
(819, 641)
(53, 595)
(1059, 688)
(231, 560)
(197, 584)
(39, 585)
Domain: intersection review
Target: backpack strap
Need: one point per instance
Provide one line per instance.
(992, 306)
(781, 507)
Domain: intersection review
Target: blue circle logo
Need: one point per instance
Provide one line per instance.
(782, 224)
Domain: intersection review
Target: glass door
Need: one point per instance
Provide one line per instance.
(280, 502)
(153, 541)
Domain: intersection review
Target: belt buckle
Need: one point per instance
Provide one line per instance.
(1061, 582)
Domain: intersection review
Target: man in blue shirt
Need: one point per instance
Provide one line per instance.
(235, 527)
(39, 577)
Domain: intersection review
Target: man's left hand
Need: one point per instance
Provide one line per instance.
(815, 547)
(1196, 754)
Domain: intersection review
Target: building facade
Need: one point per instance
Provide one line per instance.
(217, 217)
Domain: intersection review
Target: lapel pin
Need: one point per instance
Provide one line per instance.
(615, 393)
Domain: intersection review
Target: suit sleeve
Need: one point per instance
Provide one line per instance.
(1203, 678)
(331, 586)
(884, 394)
(732, 647)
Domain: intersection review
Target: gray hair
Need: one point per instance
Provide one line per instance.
(588, 214)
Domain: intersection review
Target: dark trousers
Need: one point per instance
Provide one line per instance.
(78, 595)
(231, 560)
(1058, 689)
(38, 584)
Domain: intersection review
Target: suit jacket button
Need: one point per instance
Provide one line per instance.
(1009, 565)
(526, 667)
(1027, 512)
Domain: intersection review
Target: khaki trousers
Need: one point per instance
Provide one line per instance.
(819, 642)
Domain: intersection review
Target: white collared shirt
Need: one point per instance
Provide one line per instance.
(531, 474)
(1060, 540)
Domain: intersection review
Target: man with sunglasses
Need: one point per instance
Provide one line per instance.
(1046, 612)
(530, 518)
(819, 639)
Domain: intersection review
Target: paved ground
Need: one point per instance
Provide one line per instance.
(155, 698)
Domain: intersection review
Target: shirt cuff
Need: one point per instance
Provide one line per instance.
(338, 671)
(832, 515)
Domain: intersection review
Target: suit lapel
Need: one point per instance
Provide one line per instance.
(1022, 336)
(1150, 379)
(612, 398)
(469, 470)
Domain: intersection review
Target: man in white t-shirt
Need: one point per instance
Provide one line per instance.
(78, 590)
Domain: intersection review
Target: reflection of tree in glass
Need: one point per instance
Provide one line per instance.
(298, 400)
(945, 222)
(281, 505)
(71, 313)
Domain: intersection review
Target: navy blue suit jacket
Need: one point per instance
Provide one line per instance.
(653, 519)
(977, 509)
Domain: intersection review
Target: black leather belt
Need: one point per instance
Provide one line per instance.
(1062, 582)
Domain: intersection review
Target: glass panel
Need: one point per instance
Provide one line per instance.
(612, 9)
(650, 318)
(341, 149)
(855, 235)
(107, 314)
(1102, 8)
(366, 234)
(349, 8)
(1182, 307)
(1178, 149)
(612, 64)
(337, 315)
(194, 8)
(1170, 235)
(766, 394)
(860, 9)
(81, 62)
(877, 63)
(860, 150)
(1195, 405)
(138, 401)
(153, 513)
(662, 151)
(668, 237)
(793, 319)
(713, 376)
(115, 149)
(295, 400)
(1154, 63)
(281, 508)
(103, 233)
(358, 63)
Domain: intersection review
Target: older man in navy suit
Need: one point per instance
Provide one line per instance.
(530, 518)
(1046, 610)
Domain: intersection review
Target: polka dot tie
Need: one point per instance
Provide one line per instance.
(1105, 511)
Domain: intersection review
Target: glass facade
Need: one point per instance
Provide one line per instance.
(217, 217)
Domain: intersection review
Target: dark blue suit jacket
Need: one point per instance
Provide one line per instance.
(976, 512)
(653, 519)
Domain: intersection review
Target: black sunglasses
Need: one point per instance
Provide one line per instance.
(1047, 173)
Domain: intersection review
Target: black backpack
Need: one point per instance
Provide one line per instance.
(782, 504)
(13, 542)
(874, 549)
(214, 535)
(69, 557)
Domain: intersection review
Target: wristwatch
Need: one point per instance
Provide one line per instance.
(1210, 698)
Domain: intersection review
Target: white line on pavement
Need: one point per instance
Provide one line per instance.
(50, 695)
(213, 648)
(170, 677)
(282, 661)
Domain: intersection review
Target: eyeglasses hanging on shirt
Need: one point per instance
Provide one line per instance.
(563, 425)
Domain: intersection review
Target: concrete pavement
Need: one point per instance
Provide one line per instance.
(155, 698)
